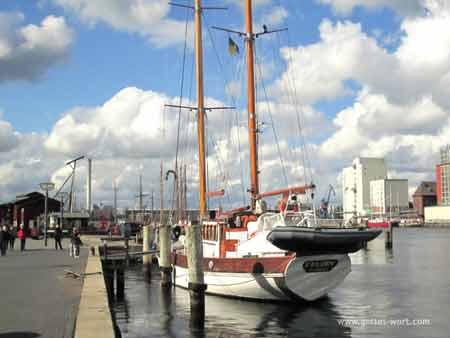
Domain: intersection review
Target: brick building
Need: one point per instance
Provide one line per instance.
(26, 208)
(424, 196)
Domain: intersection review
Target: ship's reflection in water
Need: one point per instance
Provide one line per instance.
(165, 313)
(412, 284)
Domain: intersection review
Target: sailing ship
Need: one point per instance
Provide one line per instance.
(253, 253)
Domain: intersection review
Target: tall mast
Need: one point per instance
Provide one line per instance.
(200, 106)
(161, 195)
(252, 128)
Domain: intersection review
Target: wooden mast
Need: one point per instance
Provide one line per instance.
(252, 128)
(200, 107)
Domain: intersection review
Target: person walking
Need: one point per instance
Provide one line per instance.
(12, 236)
(4, 240)
(58, 236)
(22, 235)
(76, 242)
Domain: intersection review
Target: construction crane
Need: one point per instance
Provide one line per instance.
(323, 211)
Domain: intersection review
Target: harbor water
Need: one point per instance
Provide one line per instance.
(403, 292)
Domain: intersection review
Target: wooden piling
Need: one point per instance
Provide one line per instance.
(388, 237)
(120, 283)
(196, 283)
(127, 252)
(146, 259)
(109, 281)
(165, 265)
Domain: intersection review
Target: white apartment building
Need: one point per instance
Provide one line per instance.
(389, 196)
(356, 184)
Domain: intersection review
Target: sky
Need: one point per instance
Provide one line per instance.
(91, 77)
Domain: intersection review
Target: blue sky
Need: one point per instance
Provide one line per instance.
(358, 66)
(102, 60)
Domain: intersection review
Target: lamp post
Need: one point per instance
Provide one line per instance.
(62, 196)
(46, 186)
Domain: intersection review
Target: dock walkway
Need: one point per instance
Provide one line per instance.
(37, 299)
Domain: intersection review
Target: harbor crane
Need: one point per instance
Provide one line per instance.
(323, 211)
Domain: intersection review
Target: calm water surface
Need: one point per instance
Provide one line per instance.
(400, 293)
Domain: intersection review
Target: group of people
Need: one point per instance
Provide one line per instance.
(8, 237)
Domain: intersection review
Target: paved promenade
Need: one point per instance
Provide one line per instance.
(36, 299)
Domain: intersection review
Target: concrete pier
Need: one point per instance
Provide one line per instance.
(94, 316)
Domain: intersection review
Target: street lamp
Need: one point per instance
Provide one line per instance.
(46, 186)
(62, 195)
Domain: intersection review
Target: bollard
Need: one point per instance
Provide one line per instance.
(388, 237)
(146, 258)
(196, 283)
(164, 256)
(120, 283)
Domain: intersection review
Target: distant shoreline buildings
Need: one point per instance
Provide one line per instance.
(367, 190)
(440, 213)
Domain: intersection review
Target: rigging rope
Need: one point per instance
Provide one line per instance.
(221, 69)
(283, 167)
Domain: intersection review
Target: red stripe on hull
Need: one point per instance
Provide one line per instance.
(378, 224)
(239, 265)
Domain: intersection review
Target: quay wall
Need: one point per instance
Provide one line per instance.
(94, 318)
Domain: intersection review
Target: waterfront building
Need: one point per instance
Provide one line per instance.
(440, 214)
(356, 184)
(389, 196)
(27, 209)
(443, 177)
(424, 196)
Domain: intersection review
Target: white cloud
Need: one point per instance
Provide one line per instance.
(419, 67)
(149, 18)
(255, 3)
(401, 112)
(8, 137)
(403, 7)
(319, 70)
(27, 52)
(276, 16)
(128, 125)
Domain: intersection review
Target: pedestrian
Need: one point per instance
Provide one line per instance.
(4, 240)
(76, 242)
(58, 236)
(22, 235)
(12, 236)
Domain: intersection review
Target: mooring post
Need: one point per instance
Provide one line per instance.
(388, 236)
(120, 282)
(196, 283)
(165, 265)
(146, 258)
(127, 251)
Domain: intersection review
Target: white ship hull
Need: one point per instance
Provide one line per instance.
(291, 284)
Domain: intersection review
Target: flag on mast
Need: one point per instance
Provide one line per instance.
(233, 48)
